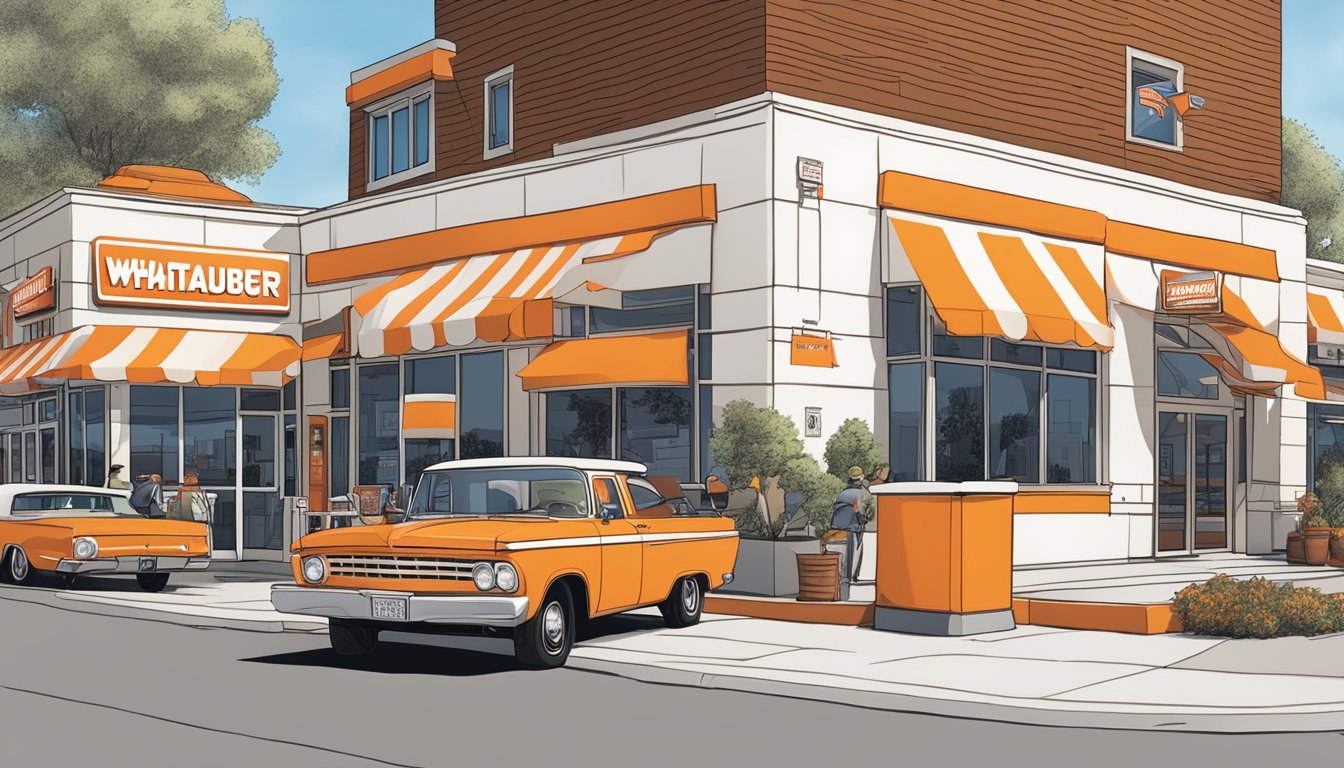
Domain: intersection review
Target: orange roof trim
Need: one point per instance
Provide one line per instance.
(167, 181)
(651, 358)
(430, 65)
(662, 210)
(1202, 253)
(920, 194)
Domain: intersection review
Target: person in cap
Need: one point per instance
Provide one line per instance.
(114, 478)
(847, 520)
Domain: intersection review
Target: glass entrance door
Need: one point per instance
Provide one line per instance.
(263, 524)
(1192, 481)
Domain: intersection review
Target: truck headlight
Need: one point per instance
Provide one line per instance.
(314, 569)
(484, 576)
(85, 548)
(506, 578)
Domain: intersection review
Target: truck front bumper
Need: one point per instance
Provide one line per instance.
(467, 610)
(132, 565)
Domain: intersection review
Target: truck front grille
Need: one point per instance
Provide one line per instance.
(395, 567)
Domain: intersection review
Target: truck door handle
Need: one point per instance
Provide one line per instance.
(640, 525)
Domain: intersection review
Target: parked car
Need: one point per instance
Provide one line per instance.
(516, 547)
(74, 530)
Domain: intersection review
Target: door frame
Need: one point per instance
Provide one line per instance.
(1233, 494)
(277, 453)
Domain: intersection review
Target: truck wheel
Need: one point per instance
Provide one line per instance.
(152, 582)
(682, 608)
(544, 640)
(17, 568)
(351, 639)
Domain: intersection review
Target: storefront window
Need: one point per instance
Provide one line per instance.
(1326, 437)
(655, 429)
(260, 400)
(154, 432)
(706, 429)
(262, 524)
(1071, 432)
(379, 424)
(578, 423)
(291, 456)
(423, 453)
(75, 411)
(15, 457)
(290, 395)
(905, 307)
(95, 437)
(1015, 424)
(646, 309)
(30, 457)
(48, 443)
(959, 422)
(481, 406)
(340, 388)
(430, 376)
(223, 528)
(1186, 374)
(905, 394)
(968, 347)
(209, 425)
(339, 456)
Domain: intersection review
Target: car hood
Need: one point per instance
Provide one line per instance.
(469, 533)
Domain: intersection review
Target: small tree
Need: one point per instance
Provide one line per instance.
(1330, 491)
(852, 445)
(1313, 182)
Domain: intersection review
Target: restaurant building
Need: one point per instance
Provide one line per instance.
(1063, 265)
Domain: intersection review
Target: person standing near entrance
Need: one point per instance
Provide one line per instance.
(847, 520)
(114, 478)
(147, 497)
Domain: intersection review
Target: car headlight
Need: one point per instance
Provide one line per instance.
(85, 548)
(506, 578)
(314, 569)
(484, 576)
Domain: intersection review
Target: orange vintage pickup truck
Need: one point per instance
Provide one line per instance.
(517, 546)
(72, 530)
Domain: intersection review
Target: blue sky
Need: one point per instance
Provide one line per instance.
(319, 42)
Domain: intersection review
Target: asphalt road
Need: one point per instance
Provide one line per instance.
(80, 689)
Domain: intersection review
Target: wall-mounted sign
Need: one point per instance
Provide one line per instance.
(1199, 292)
(814, 351)
(36, 294)
(145, 273)
(809, 177)
(811, 422)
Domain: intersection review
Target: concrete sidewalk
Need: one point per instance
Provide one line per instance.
(1033, 674)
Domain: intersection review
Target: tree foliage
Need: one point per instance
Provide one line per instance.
(852, 445)
(87, 86)
(1313, 182)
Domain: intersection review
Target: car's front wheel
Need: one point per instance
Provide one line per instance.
(683, 607)
(17, 568)
(152, 582)
(544, 641)
(351, 639)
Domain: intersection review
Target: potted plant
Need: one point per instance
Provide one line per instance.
(818, 572)
(1307, 504)
(1316, 534)
(1330, 487)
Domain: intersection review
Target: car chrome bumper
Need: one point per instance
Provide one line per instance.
(132, 565)
(472, 610)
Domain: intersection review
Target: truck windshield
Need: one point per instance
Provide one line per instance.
(541, 491)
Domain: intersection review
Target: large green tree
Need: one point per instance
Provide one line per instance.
(87, 86)
(1313, 183)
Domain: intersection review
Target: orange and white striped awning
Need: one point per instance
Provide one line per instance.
(989, 281)
(1258, 355)
(502, 296)
(152, 355)
(1325, 315)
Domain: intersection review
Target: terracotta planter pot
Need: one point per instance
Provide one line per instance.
(818, 577)
(1337, 549)
(1317, 545)
(1296, 549)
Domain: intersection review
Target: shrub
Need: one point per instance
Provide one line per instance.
(1330, 490)
(1315, 521)
(1257, 608)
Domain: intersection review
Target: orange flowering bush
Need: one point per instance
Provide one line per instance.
(1226, 607)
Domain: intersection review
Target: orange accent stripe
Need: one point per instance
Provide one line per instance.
(33, 367)
(102, 341)
(957, 201)
(679, 207)
(429, 415)
(1048, 319)
(146, 367)
(524, 271)
(416, 306)
(1201, 253)
(950, 291)
(1080, 277)
(1062, 502)
(435, 64)
(471, 291)
(367, 301)
(566, 256)
(777, 609)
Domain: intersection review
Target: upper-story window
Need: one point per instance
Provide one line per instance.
(1152, 118)
(499, 113)
(400, 138)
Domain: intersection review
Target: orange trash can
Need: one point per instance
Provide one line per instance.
(945, 557)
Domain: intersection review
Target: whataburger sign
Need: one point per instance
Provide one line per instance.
(155, 274)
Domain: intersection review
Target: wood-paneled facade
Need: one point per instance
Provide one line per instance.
(1046, 75)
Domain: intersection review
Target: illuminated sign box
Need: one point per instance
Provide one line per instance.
(146, 273)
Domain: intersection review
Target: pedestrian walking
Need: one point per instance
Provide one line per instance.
(847, 520)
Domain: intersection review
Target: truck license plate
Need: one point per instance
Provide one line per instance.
(392, 608)
(149, 564)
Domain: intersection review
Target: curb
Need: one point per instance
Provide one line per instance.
(1260, 721)
(56, 599)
